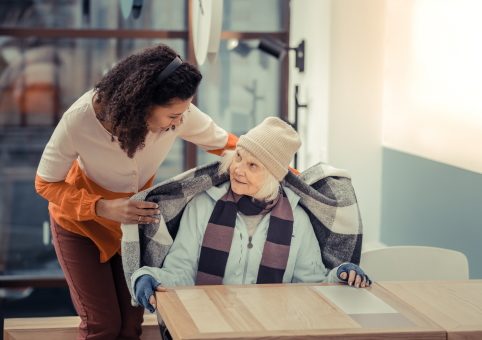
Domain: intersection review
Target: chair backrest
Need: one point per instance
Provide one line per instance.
(413, 263)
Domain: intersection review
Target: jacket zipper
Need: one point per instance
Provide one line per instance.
(250, 238)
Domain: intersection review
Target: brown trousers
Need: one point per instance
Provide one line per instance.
(98, 290)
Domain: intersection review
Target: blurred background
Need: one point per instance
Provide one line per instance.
(47, 61)
(392, 89)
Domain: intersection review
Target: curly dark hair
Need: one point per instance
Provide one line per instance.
(128, 92)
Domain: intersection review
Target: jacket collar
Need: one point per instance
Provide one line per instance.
(216, 192)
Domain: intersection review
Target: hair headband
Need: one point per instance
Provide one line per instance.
(169, 70)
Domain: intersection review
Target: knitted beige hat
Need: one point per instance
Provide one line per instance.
(273, 143)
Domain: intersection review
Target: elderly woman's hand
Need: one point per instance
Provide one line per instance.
(354, 275)
(144, 290)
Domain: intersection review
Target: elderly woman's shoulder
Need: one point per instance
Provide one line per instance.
(301, 218)
(199, 200)
(294, 198)
(302, 226)
(210, 196)
(300, 214)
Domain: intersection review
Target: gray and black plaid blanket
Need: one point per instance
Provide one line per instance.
(326, 193)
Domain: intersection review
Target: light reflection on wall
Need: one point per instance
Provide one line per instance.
(433, 86)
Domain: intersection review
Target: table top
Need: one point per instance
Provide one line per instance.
(291, 311)
(456, 306)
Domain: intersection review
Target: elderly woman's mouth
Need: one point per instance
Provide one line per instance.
(237, 181)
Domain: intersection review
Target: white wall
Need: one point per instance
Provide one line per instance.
(343, 84)
(310, 20)
(432, 106)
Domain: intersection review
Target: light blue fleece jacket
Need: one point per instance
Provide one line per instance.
(181, 263)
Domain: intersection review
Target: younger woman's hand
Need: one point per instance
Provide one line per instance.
(144, 290)
(127, 211)
(354, 275)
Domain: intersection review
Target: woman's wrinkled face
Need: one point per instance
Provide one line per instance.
(165, 117)
(247, 174)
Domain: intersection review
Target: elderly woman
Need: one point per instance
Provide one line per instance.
(247, 230)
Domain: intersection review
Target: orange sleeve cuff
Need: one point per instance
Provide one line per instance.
(230, 145)
(78, 204)
(296, 172)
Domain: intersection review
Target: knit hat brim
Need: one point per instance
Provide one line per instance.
(272, 164)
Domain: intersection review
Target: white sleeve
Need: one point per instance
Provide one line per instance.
(200, 129)
(58, 155)
(309, 266)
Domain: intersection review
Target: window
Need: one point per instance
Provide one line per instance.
(51, 52)
(240, 89)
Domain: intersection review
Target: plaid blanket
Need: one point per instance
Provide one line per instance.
(326, 193)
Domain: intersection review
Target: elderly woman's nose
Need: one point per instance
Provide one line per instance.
(239, 169)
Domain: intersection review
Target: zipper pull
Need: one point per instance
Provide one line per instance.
(250, 245)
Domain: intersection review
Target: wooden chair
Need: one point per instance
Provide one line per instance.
(413, 263)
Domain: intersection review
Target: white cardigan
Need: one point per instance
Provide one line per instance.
(80, 136)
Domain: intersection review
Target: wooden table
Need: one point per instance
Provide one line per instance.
(456, 306)
(291, 311)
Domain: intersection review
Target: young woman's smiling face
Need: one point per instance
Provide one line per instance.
(165, 117)
(247, 174)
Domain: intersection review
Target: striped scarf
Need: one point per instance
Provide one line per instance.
(219, 235)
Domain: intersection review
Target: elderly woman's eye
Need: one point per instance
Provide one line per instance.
(253, 165)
